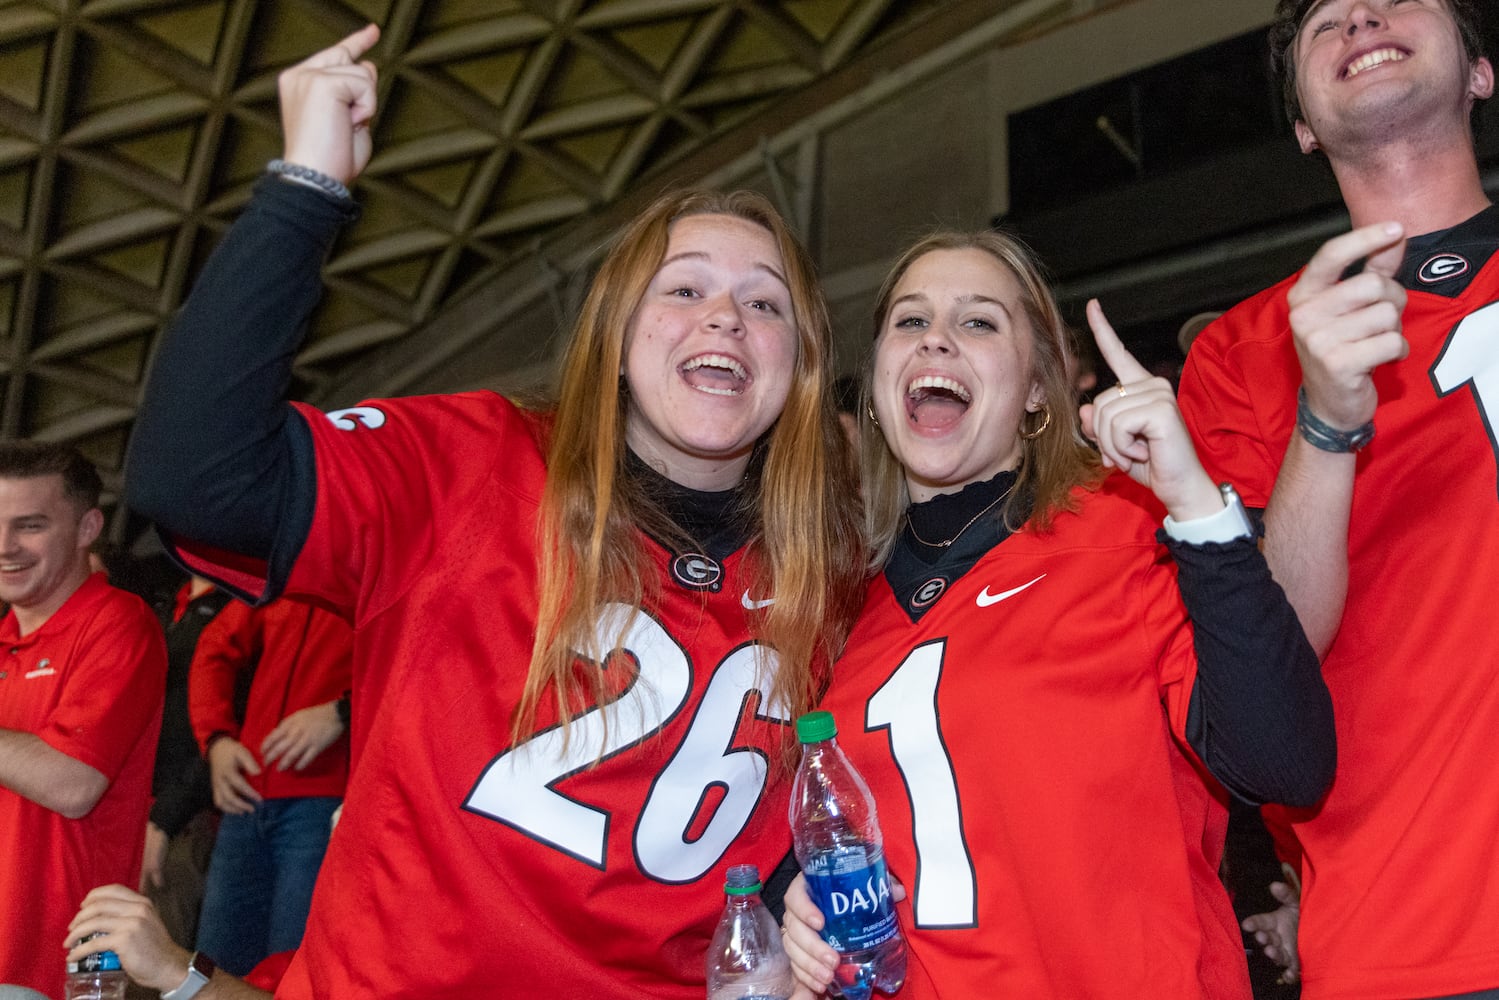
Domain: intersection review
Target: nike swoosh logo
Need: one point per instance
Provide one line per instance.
(986, 599)
(750, 605)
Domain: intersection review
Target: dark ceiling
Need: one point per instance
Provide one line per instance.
(131, 132)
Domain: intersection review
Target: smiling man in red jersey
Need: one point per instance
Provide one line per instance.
(1355, 403)
(82, 672)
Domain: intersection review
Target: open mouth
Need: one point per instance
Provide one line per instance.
(717, 374)
(1369, 60)
(934, 402)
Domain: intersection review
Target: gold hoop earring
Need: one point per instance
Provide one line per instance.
(869, 411)
(1045, 423)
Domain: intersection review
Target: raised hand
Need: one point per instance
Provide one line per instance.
(327, 102)
(1139, 430)
(1344, 328)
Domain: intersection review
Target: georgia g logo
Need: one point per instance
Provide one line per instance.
(356, 417)
(697, 572)
(928, 592)
(1443, 267)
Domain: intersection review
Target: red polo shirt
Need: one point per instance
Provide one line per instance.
(89, 683)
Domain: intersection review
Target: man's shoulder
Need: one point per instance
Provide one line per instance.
(98, 606)
(1261, 318)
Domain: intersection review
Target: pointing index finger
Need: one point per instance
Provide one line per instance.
(1333, 259)
(1120, 361)
(346, 51)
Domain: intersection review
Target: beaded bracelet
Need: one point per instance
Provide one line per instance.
(313, 178)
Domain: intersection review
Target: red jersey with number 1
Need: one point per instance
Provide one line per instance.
(463, 865)
(1401, 870)
(1024, 740)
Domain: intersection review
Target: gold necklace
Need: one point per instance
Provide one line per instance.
(911, 525)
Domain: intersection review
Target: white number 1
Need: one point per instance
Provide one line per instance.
(1472, 355)
(946, 889)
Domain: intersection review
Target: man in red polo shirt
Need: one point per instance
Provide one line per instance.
(82, 670)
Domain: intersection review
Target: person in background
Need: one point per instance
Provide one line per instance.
(278, 768)
(82, 671)
(1354, 403)
(1050, 693)
(581, 633)
(180, 831)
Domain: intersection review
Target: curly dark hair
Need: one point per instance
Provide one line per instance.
(1287, 25)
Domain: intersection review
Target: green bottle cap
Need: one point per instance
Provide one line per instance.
(815, 727)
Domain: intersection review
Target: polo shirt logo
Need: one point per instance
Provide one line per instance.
(356, 417)
(42, 669)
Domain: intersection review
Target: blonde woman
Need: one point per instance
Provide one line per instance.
(1050, 705)
(580, 632)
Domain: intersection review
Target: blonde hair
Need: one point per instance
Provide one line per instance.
(1052, 463)
(805, 545)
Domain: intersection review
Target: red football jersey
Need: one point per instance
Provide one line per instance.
(1401, 870)
(463, 865)
(89, 682)
(1024, 740)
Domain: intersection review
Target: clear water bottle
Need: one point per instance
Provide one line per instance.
(842, 855)
(745, 960)
(96, 977)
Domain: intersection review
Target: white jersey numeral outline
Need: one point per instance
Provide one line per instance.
(946, 891)
(1471, 356)
(518, 787)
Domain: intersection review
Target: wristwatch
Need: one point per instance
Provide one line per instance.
(1228, 524)
(1235, 503)
(199, 972)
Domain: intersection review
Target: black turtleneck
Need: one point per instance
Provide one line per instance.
(720, 522)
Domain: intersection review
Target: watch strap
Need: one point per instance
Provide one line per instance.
(1229, 524)
(199, 971)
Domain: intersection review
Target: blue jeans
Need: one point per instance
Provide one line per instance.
(260, 880)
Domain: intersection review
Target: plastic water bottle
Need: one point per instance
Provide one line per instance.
(745, 960)
(842, 855)
(96, 977)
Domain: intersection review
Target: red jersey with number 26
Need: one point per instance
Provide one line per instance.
(463, 865)
(1024, 739)
(1401, 859)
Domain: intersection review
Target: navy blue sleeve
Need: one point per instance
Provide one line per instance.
(218, 457)
(1260, 715)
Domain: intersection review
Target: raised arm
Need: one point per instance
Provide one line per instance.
(1260, 716)
(218, 456)
(1343, 328)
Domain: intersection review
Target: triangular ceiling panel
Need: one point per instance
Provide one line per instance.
(194, 30)
(167, 153)
(23, 73)
(655, 44)
(134, 129)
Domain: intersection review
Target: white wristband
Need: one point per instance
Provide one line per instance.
(1229, 524)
